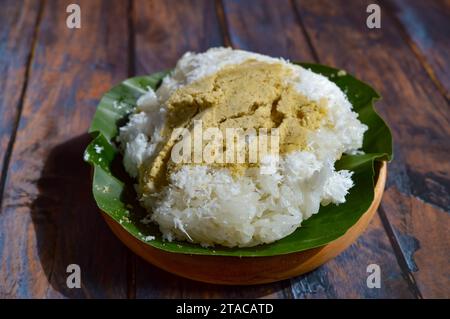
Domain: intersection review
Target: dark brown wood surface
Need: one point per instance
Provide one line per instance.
(48, 218)
(17, 34)
(426, 26)
(54, 77)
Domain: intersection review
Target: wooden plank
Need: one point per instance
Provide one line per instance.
(346, 275)
(260, 26)
(417, 115)
(267, 28)
(16, 40)
(422, 232)
(163, 32)
(49, 219)
(426, 24)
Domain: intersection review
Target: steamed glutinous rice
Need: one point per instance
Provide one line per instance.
(237, 205)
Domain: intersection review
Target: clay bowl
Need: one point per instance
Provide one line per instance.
(250, 270)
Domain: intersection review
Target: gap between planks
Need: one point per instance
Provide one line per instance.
(305, 32)
(8, 152)
(220, 14)
(409, 277)
(387, 226)
(417, 52)
(407, 274)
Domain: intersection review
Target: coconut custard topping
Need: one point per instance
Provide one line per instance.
(268, 101)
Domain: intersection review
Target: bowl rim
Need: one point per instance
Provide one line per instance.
(236, 270)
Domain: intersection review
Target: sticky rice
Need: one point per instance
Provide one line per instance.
(212, 204)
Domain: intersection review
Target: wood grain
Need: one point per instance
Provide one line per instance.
(426, 24)
(17, 33)
(423, 234)
(165, 30)
(417, 115)
(49, 219)
(346, 275)
(331, 280)
(263, 27)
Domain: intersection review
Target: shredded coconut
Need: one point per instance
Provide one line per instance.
(98, 149)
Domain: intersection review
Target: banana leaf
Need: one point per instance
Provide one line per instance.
(114, 193)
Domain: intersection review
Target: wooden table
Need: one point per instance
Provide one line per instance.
(52, 79)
